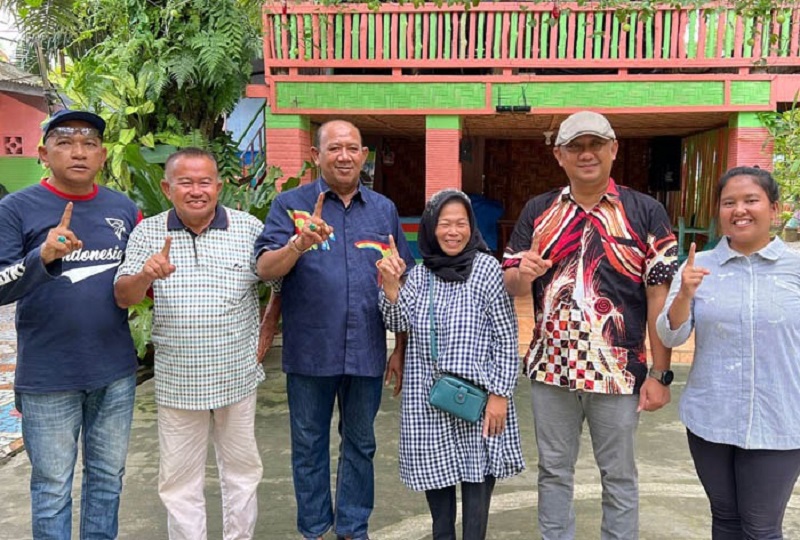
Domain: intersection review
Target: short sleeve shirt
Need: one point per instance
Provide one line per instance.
(329, 300)
(591, 307)
(205, 321)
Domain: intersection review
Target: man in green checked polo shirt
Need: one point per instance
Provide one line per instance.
(198, 258)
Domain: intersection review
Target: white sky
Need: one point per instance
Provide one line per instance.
(8, 34)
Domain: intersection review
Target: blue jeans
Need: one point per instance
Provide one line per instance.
(51, 424)
(311, 402)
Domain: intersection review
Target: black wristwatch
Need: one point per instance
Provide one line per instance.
(664, 376)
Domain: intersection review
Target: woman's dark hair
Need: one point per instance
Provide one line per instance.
(760, 176)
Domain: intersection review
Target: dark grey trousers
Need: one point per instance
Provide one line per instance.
(748, 489)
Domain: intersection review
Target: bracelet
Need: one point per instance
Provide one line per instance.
(293, 246)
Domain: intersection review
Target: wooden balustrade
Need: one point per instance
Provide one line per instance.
(512, 35)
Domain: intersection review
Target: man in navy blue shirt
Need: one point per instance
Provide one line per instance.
(323, 239)
(60, 243)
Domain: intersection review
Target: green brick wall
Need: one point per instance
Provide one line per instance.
(611, 94)
(19, 172)
(750, 92)
(389, 96)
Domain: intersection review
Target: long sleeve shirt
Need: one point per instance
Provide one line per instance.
(744, 385)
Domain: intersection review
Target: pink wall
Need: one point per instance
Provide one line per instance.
(21, 117)
(746, 148)
(442, 167)
(288, 148)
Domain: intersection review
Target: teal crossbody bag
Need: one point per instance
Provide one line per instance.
(451, 393)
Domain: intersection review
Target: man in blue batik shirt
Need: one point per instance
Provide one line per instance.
(324, 239)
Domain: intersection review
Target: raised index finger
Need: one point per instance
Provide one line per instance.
(167, 245)
(67, 217)
(535, 244)
(393, 245)
(318, 206)
(690, 257)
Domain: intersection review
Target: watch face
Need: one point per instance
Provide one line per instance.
(667, 377)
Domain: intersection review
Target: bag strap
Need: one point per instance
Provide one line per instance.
(434, 343)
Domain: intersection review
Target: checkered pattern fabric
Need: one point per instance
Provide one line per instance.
(477, 339)
(205, 324)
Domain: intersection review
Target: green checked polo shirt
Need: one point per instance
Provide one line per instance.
(205, 323)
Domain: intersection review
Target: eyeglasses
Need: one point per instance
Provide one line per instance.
(594, 147)
(69, 131)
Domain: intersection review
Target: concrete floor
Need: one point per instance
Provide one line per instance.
(673, 505)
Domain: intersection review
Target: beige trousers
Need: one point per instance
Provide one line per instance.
(183, 444)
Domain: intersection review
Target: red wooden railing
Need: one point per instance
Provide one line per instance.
(513, 35)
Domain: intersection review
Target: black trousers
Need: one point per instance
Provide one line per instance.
(748, 489)
(475, 501)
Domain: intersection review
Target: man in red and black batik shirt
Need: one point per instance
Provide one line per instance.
(598, 259)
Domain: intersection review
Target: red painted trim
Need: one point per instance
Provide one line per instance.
(473, 25)
(284, 34)
(363, 34)
(257, 91)
(519, 78)
(701, 36)
(395, 21)
(330, 34)
(378, 35)
(301, 37)
(794, 47)
(315, 49)
(726, 96)
(348, 41)
(721, 25)
(738, 41)
(683, 16)
(657, 44)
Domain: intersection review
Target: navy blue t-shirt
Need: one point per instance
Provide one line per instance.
(331, 321)
(70, 333)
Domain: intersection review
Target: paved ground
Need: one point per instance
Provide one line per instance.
(673, 504)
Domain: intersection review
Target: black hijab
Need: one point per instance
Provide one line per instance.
(458, 267)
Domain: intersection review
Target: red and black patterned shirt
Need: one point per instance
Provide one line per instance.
(591, 306)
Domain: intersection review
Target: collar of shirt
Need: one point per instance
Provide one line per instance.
(611, 194)
(329, 193)
(220, 220)
(771, 251)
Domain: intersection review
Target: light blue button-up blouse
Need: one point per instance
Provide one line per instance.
(744, 385)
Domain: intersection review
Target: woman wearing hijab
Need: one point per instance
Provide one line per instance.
(473, 335)
(741, 399)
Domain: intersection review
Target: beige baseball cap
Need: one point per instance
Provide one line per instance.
(584, 123)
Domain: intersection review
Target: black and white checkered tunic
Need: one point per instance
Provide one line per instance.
(477, 339)
(205, 322)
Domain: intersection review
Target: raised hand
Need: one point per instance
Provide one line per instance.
(60, 241)
(391, 268)
(532, 265)
(158, 266)
(315, 230)
(692, 276)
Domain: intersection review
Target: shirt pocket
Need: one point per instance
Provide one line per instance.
(229, 282)
(372, 246)
(784, 297)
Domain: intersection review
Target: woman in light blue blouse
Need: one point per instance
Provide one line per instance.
(476, 337)
(742, 399)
